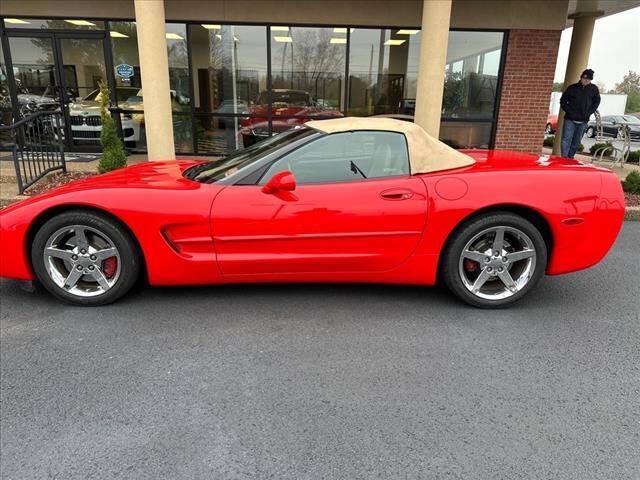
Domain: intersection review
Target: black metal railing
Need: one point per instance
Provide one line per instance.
(37, 142)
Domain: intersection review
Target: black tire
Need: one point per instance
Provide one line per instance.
(548, 130)
(128, 251)
(590, 132)
(453, 250)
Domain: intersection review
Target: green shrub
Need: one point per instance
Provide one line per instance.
(113, 155)
(634, 157)
(581, 148)
(631, 184)
(596, 146)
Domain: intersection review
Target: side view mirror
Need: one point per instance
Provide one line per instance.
(281, 181)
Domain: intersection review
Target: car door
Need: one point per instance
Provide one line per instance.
(355, 208)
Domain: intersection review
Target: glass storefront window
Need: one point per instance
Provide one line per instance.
(466, 134)
(239, 96)
(124, 47)
(229, 79)
(5, 104)
(221, 135)
(471, 75)
(229, 67)
(307, 69)
(34, 73)
(129, 93)
(383, 71)
(57, 24)
(177, 50)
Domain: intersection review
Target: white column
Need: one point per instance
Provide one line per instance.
(154, 69)
(436, 16)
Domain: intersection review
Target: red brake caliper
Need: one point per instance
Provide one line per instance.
(470, 265)
(109, 266)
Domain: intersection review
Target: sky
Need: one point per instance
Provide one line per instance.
(615, 48)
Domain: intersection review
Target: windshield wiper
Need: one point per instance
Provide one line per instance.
(356, 169)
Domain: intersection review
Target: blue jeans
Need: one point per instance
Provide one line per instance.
(572, 133)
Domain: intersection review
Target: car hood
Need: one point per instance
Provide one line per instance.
(159, 175)
(86, 107)
(37, 99)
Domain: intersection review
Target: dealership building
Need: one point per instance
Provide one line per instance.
(209, 77)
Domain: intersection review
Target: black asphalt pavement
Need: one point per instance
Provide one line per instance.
(327, 381)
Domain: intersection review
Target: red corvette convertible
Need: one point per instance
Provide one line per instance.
(341, 200)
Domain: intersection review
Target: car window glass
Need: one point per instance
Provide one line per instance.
(346, 156)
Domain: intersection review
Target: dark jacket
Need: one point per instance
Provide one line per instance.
(580, 102)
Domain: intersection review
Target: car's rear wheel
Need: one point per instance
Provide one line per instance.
(591, 132)
(494, 260)
(85, 258)
(548, 129)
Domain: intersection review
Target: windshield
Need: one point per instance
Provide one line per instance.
(213, 171)
(630, 119)
(122, 94)
(288, 97)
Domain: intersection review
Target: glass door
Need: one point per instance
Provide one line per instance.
(61, 72)
(34, 71)
(81, 69)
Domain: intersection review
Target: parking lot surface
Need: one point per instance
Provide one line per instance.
(327, 381)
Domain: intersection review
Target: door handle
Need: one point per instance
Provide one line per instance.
(396, 194)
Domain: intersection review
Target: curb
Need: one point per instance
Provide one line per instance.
(632, 214)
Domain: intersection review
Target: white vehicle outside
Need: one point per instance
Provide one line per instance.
(86, 124)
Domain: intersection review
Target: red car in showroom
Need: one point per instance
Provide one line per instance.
(342, 200)
(289, 109)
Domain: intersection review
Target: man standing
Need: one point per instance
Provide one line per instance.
(579, 101)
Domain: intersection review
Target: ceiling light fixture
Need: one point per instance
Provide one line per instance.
(283, 39)
(115, 34)
(209, 26)
(279, 29)
(342, 30)
(394, 41)
(407, 32)
(173, 36)
(339, 40)
(81, 23)
(16, 21)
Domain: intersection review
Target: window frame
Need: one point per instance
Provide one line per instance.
(261, 181)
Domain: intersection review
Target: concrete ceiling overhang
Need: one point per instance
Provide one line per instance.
(603, 8)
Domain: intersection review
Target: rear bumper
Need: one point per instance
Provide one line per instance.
(581, 245)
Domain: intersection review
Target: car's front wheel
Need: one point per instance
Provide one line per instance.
(548, 130)
(85, 258)
(494, 260)
(591, 132)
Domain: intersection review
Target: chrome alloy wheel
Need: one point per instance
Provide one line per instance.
(497, 262)
(82, 260)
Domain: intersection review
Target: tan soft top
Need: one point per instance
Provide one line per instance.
(426, 154)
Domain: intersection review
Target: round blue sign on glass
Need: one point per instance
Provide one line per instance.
(124, 70)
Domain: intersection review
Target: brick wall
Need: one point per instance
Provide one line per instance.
(529, 69)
